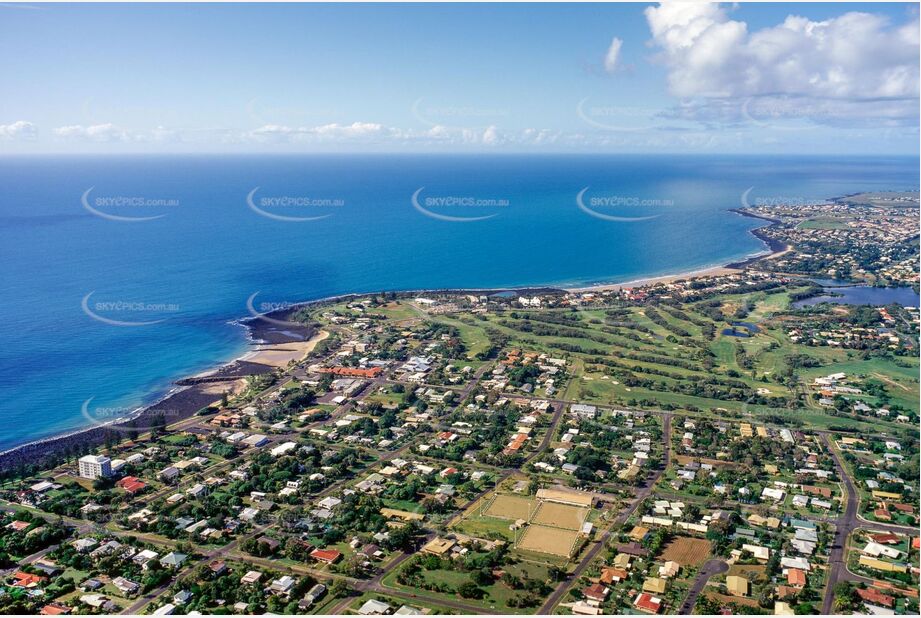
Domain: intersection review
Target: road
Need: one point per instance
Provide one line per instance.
(844, 527)
(710, 568)
(641, 494)
(136, 607)
(38, 555)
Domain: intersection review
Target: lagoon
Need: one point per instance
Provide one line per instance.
(864, 295)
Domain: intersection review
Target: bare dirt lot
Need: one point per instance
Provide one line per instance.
(687, 551)
(726, 598)
(685, 459)
(510, 507)
(751, 572)
(560, 516)
(546, 540)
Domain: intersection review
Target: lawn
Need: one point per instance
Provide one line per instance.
(497, 594)
(823, 223)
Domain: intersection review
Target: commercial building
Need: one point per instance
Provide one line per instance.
(95, 466)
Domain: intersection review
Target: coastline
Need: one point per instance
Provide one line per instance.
(276, 341)
(273, 343)
(709, 271)
(773, 249)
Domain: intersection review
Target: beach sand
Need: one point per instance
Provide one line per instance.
(775, 250)
(626, 285)
(280, 354)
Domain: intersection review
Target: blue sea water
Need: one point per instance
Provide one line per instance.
(188, 273)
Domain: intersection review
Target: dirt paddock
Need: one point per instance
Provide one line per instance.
(546, 540)
(557, 515)
(687, 551)
(510, 507)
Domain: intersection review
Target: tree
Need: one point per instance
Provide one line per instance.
(482, 577)
(556, 573)
(470, 590)
(339, 589)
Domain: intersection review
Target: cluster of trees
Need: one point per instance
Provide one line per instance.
(482, 568)
(656, 318)
(292, 401)
(710, 387)
(39, 535)
(707, 327)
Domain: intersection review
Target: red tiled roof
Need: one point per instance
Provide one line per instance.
(325, 555)
(825, 492)
(55, 609)
(608, 575)
(648, 603)
(131, 484)
(26, 580)
(885, 538)
(354, 372)
(796, 577)
(595, 591)
(872, 595)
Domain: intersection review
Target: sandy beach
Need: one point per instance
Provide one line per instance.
(636, 283)
(280, 354)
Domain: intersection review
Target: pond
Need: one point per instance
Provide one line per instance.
(741, 329)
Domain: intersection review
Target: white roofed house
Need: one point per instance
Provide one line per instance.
(281, 586)
(773, 494)
(329, 502)
(283, 449)
(789, 562)
(373, 607)
(125, 586)
(582, 410)
(173, 560)
(876, 550)
(144, 556)
(197, 491)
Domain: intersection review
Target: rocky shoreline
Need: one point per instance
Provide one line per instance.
(774, 246)
(191, 395)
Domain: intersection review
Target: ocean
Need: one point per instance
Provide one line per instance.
(123, 273)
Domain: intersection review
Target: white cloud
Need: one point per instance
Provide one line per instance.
(107, 132)
(334, 131)
(165, 134)
(356, 129)
(611, 58)
(491, 136)
(19, 130)
(856, 56)
(374, 133)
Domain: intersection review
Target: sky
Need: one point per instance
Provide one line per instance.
(681, 77)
